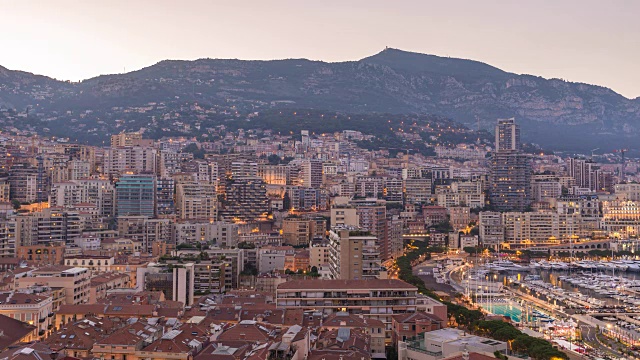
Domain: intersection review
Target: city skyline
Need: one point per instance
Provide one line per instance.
(78, 40)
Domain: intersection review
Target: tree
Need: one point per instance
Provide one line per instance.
(274, 159)
(249, 269)
(197, 152)
(16, 204)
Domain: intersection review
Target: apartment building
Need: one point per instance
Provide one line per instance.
(246, 200)
(298, 231)
(75, 281)
(52, 225)
(377, 299)
(196, 201)
(417, 190)
(136, 195)
(136, 159)
(621, 218)
(42, 254)
(95, 263)
(491, 229)
(33, 309)
(275, 174)
(100, 285)
(354, 254)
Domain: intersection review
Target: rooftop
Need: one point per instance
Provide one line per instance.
(12, 331)
(373, 284)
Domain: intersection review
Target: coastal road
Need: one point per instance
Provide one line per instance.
(590, 336)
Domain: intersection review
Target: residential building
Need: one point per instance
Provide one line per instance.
(417, 190)
(95, 263)
(459, 217)
(184, 283)
(312, 173)
(136, 195)
(319, 253)
(491, 229)
(125, 139)
(354, 254)
(275, 174)
(130, 159)
(344, 216)
(196, 201)
(75, 281)
(33, 309)
(165, 190)
(621, 218)
(448, 343)
(42, 254)
(299, 231)
(246, 200)
(377, 299)
(509, 170)
(435, 215)
(374, 220)
(410, 325)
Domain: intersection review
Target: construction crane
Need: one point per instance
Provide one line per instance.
(621, 151)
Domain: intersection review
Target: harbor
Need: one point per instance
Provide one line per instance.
(557, 300)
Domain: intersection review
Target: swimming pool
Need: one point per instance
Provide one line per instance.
(512, 311)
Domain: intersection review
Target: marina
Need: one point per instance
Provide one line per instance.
(557, 300)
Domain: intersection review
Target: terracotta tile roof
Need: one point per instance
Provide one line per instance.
(80, 335)
(21, 298)
(318, 284)
(343, 319)
(246, 330)
(181, 342)
(9, 261)
(169, 312)
(84, 309)
(125, 297)
(129, 335)
(30, 351)
(223, 313)
(354, 339)
(413, 317)
(227, 350)
(245, 298)
(264, 313)
(53, 268)
(171, 304)
(107, 277)
(294, 317)
(13, 331)
(130, 310)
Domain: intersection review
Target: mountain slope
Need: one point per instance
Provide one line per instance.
(392, 81)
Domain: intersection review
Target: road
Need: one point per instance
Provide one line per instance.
(590, 336)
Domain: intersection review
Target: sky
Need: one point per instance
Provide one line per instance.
(591, 41)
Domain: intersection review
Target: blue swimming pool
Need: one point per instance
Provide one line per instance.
(510, 310)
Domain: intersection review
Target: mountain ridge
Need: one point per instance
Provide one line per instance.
(391, 81)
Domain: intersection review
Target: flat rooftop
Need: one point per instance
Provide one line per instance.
(329, 285)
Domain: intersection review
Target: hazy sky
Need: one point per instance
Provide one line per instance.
(589, 41)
